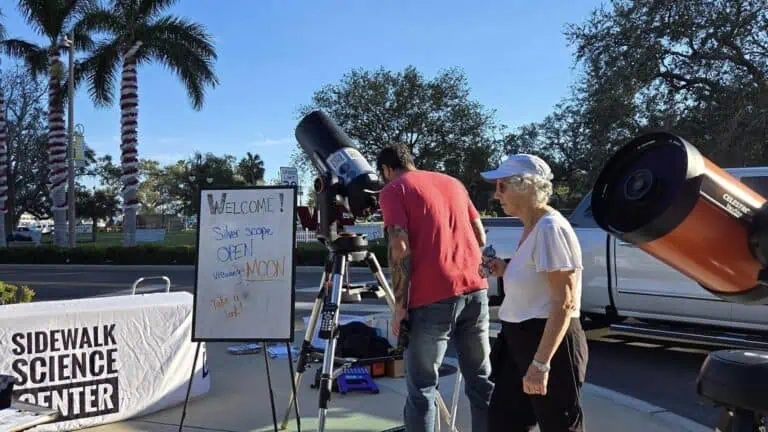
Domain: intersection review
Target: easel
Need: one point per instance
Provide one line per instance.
(247, 205)
(269, 384)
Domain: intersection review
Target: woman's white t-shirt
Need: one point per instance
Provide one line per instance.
(551, 245)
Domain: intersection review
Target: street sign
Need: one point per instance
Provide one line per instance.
(289, 176)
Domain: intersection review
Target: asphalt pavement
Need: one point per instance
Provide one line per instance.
(661, 373)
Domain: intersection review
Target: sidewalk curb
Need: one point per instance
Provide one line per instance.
(111, 267)
(655, 412)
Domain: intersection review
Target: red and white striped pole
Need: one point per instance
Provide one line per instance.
(57, 147)
(129, 102)
(3, 170)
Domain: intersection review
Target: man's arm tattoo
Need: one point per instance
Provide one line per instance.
(399, 265)
(401, 280)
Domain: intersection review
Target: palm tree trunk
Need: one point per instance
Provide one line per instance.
(3, 170)
(129, 161)
(57, 150)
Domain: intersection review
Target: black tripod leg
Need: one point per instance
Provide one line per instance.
(378, 273)
(328, 331)
(306, 347)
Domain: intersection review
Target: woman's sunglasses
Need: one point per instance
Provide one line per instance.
(503, 184)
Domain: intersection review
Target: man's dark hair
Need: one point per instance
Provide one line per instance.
(396, 156)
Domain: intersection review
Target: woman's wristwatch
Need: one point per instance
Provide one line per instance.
(542, 367)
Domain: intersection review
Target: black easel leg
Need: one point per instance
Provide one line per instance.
(269, 383)
(189, 387)
(293, 385)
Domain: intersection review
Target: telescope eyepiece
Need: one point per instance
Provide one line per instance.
(318, 184)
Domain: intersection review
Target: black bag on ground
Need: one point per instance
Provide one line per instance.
(360, 341)
(6, 390)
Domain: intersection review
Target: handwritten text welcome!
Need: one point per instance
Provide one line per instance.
(267, 204)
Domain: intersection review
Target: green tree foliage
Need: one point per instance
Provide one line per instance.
(561, 140)
(96, 205)
(444, 127)
(183, 180)
(151, 192)
(251, 169)
(108, 173)
(171, 189)
(27, 141)
(698, 68)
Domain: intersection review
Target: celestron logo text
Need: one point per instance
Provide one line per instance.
(738, 208)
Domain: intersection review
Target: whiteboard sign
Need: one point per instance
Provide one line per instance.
(245, 270)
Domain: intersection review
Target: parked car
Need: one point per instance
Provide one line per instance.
(25, 234)
(622, 281)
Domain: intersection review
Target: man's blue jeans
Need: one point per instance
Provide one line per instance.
(465, 320)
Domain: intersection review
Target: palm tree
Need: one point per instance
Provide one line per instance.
(36, 64)
(53, 19)
(251, 169)
(139, 34)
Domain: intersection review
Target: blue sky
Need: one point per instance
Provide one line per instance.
(273, 54)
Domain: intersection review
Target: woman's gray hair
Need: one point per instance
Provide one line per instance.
(541, 185)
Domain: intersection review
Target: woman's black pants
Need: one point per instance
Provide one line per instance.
(560, 410)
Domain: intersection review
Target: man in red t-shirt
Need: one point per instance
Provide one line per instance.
(435, 240)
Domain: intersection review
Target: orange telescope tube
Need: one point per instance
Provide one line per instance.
(661, 194)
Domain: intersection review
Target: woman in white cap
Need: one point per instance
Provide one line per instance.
(540, 358)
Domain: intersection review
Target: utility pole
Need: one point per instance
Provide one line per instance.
(71, 146)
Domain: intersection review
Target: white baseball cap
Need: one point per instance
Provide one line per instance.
(520, 164)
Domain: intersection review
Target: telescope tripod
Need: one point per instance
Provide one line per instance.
(346, 249)
(741, 420)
